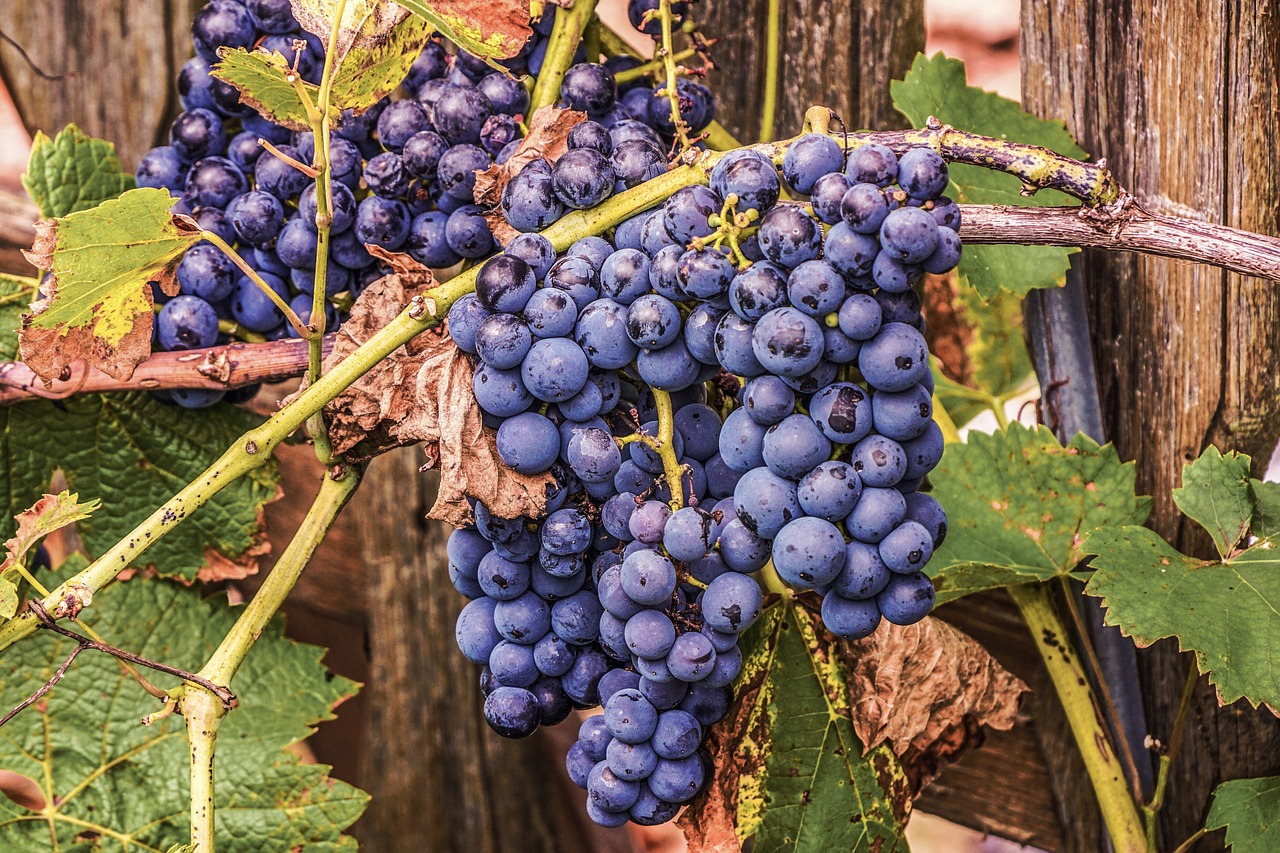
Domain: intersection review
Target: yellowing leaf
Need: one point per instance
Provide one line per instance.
(101, 261)
(367, 75)
(263, 84)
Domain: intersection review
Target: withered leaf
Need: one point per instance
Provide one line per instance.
(548, 139)
(50, 513)
(422, 393)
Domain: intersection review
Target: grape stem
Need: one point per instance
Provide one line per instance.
(666, 448)
(304, 331)
(671, 75)
(570, 24)
(629, 74)
(253, 448)
(200, 707)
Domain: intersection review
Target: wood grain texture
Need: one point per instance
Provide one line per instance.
(120, 58)
(840, 55)
(440, 779)
(1182, 99)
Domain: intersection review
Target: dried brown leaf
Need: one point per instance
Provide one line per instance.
(927, 690)
(548, 139)
(365, 23)
(422, 393)
(365, 419)
(219, 567)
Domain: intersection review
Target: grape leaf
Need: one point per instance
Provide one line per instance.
(260, 77)
(935, 86)
(1266, 509)
(109, 778)
(50, 513)
(790, 769)
(490, 29)
(73, 172)
(101, 261)
(365, 23)
(1250, 811)
(367, 75)
(134, 453)
(16, 294)
(1227, 612)
(1019, 505)
(1215, 494)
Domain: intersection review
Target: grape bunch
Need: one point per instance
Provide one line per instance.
(704, 410)
(403, 173)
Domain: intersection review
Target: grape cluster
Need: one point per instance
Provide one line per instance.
(403, 173)
(595, 366)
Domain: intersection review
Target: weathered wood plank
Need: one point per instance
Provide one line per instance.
(1183, 101)
(840, 55)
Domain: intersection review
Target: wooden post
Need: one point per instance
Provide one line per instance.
(1183, 101)
(120, 59)
(839, 55)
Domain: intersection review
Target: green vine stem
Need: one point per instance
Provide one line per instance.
(253, 449)
(570, 24)
(1119, 811)
(1168, 754)
(250, 273)
(202, 711)
(671, 467)
(768, 111)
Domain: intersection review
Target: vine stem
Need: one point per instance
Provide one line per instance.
(1115, 801)
(199, 707)
(570, 24)
(222, 367)
(769, 109)
(1151, 810)
(250, 273)
(671, 466)
(652, 65)
(321, 163)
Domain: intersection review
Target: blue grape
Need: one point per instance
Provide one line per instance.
(758, 290)
(528, 443)
(809, 158)
(700, 333)
(787, 342)
(529, 202)
(505, 283)
(576, 619)
(794, 446)
(161, 167)
(602, 334)
(922, 173)
(187, 322)
(197, 133)
(789, 236)
(765, 502)
(705, 273)
(691, 658)
(577, 277)
(895, 359)
(636, 161)
(511, 712)
(650, 634)
(733, 345)
(475, 631)
(816, 288)
(648, 577)
(624, 276)
(829, 491)
(849, 618)
(594, 456)
(750, 176)
(851, 253)
(880, 461)
(907, 548)
(500, 392)
(809, 552)
(685, 214)
(864, 208)
(872, 164)
(877, 513)
(555, 369)
(907, 599)
(827, 196)
(677, 781)
(946, 255)
(511, 664)
(589, 87)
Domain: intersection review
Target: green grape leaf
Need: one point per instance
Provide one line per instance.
(102, 261)
(936, 86)
(50, 513)
(134, 453)
(367, 75)
(261, 78)
(490, 29)
(108, 779)
(1266, 509)
(73, 172)
(1227, 612)
(1250, 811)
(16, 296)
(790, 769)
(1019, 505)
(1215, 494)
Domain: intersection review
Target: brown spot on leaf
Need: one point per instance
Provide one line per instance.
(22, 790)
